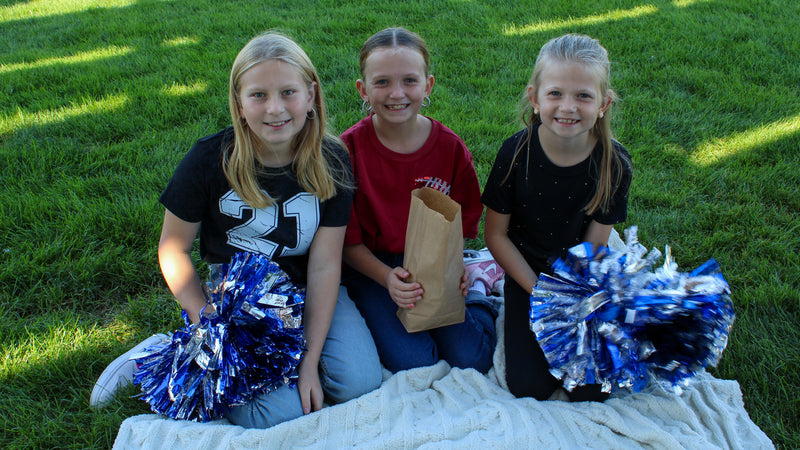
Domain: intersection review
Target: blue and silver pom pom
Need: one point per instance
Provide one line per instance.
(249, 340)
(606, 317)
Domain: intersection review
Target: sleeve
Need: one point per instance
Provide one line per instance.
(353, 234)
(338, 207)
(498, 194)
(188, 188)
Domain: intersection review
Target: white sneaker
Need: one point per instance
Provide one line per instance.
(476, 256)
(120, 372)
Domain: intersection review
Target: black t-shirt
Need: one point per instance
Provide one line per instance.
(546, 201)
(199, 192)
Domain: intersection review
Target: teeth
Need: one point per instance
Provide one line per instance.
(567, 121)
(277, 124)
(395, 107)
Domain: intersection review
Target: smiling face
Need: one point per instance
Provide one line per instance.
(395, 83)
(569, 101)
(274, 100)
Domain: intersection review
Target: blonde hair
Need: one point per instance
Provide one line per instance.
(312, 159)
(578, 48)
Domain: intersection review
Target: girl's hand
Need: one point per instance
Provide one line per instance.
(402, 293)
(465, 282)
(309, 387)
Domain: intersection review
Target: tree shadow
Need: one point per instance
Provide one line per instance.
(157, 78)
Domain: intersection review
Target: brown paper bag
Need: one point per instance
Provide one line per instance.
(434, 257)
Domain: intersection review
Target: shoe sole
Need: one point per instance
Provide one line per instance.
(102, 393)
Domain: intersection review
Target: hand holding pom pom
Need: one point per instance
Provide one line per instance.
(605, 317)
(251, 341)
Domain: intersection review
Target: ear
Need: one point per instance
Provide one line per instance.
(429, 86)
(607, 99)
(532, 98)
(361, 87)
(312, 94)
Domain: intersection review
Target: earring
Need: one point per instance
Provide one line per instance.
(428, 99)
(536, 111)
(311, 114)
(366, 107)
(601, 114)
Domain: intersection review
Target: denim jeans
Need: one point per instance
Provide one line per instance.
(469, 344)
(349, 367)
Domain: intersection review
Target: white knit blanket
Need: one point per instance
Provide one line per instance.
(438, 407)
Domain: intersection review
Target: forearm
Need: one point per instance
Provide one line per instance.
(360, 258)
(597, 234)
(505, 252)
(182, 280)
(511, 260)
(321, 294)
(324, 274)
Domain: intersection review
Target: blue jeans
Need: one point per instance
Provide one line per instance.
(349, 367)
(469, 344)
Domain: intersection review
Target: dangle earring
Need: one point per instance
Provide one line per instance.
(366, 107)
(311, 114)
(426, 99)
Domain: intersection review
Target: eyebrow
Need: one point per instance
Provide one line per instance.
(283, 87)
(405, 75)
(556, 87)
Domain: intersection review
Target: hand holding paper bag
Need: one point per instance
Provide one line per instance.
(434, 258)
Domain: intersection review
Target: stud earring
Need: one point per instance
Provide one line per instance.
(601, 114)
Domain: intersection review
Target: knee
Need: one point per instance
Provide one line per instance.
(481, 361)
(354, 382)
(588, 393)
(396, 361)
(530, 384)
(526, 388)
(267, 409)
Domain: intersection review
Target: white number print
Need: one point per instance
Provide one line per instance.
(253, 235)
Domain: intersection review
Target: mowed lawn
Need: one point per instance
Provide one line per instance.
(99, 100)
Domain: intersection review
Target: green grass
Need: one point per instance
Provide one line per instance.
(100, 100)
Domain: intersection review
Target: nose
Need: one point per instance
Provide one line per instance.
(274, 105)
(397, 91)
(568, 105)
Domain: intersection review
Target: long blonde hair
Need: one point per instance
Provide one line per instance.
(318, 168)
(578, 48)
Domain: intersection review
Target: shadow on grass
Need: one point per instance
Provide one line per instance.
(112, 126)
(52, 363)
(42, 408)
